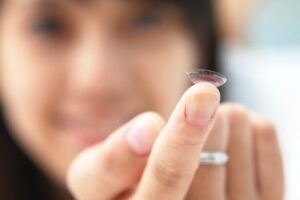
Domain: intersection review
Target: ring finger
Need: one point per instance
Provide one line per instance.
(241, 182)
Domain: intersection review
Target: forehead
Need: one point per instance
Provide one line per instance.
(93, 4)
(83, 2)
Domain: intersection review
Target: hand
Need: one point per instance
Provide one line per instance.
(113, 169)
(122, 168)
(254, 170)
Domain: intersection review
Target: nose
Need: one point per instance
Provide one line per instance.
(96, 69)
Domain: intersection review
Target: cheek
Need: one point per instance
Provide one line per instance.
(29, 94)
(29, 84)
(162, 71)
(31, 89)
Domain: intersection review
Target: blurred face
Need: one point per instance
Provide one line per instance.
(73, 71)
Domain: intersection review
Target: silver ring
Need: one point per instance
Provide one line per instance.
(213, 158)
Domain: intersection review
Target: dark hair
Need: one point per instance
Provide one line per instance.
(200, 18)
(21, 179)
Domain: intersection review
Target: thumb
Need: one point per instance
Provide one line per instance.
(106, 170)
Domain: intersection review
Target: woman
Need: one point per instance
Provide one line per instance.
(77, 78)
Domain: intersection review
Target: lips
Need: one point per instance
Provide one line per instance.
(84, 131)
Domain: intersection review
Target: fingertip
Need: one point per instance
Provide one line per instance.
(143, 131)
(201, 102)
(156, 119)
(204, 88)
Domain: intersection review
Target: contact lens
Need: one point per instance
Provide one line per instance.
(204, 75)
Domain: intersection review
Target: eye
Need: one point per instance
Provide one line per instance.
(149, 18)
(50, 26)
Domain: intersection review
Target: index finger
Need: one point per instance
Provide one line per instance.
(175, 154)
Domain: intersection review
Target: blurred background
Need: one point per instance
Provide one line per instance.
(261, 54)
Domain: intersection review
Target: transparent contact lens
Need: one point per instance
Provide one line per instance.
(204, 75)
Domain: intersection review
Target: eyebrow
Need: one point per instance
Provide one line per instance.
(51, 1)
(54, 4)
(57, 3)
(60, 1)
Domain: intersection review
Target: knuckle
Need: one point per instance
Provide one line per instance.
(188, 143)
(90, 165)
(237, 114)
(108, 166)
(221, 119)
(266, 126)
(274, 195)
(167, 175)
(185, 139)
(218, 138)
(221, 122)
(266, 130)
(243, 197)
(77, 176)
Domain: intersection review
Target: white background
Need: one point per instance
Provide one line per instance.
(268, 80)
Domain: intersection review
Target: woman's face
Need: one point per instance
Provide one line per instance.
(73, 71)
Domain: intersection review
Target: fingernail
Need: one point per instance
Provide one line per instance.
(201, 107)
(141, 134)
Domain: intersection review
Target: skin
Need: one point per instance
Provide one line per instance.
(233, 17)
(72, 73)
